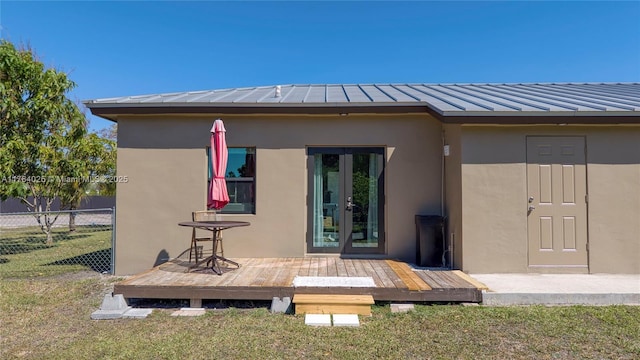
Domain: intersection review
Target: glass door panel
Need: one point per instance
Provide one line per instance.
(326, 195)
(346, 200)
(366, 169)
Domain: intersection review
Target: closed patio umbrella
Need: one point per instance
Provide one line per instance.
(218, 196)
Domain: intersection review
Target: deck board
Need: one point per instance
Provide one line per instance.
(322, 267)
(384, 268)
(314, 267)
(303, 270)
(332, 270)
(408, 276)
(266, 267)
(229, 277)
(433, 280)
(341, 269)
(265, 278)
(456, 281)
(349, 268)
(280, 273)
(254, 274)
(361, 271)
(296, 264)
(383, 279)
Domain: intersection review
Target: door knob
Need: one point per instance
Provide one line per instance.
(531, 208)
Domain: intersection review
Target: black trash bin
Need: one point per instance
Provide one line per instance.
(429, 245)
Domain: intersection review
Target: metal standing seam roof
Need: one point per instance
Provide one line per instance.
(598, 99)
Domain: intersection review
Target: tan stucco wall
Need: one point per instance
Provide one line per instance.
(164, 159)
(494, 203)
(613, 180)
(453, 195)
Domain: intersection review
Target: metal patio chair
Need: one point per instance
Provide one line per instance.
(197, 240)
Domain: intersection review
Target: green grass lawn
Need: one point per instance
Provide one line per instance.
(49, 318)
(47, 296)
(24, 252)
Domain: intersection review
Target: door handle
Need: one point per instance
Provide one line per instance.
(531, 207)
(349, 203)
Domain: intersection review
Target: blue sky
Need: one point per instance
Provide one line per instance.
(123, 48)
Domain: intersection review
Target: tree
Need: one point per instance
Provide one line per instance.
(41, 133)
(110, 133)
(92, 161)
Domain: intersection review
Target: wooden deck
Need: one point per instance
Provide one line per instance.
(265, 278)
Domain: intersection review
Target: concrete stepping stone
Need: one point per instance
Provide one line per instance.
(137, 313)
(346, 320)
(317, 319)
(189, 312)
(401, 308)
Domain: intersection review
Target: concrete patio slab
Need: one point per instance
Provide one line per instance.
(560, 289)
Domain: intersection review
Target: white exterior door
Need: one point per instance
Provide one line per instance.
(557, 203)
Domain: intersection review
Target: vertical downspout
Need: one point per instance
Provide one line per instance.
(442, 201)
(113, 241)
(442, 187)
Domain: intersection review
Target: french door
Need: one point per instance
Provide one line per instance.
(346, 200)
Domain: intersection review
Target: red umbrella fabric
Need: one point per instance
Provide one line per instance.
(218, 196)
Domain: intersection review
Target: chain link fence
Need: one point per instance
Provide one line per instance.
(57, 242)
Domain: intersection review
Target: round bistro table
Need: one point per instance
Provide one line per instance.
(216, 228)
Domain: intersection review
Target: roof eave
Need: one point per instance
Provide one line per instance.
(555, 118)
(112, 111)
